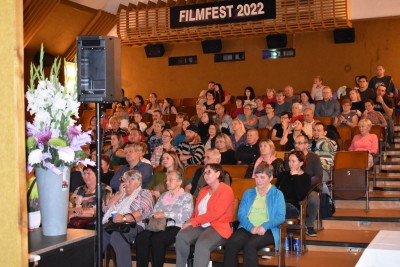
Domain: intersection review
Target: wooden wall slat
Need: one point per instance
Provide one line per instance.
(35, 14)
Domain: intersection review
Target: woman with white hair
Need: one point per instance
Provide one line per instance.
(130, 204)
(365, 141)
(297, 112)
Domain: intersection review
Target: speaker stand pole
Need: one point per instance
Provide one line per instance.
(99, 225)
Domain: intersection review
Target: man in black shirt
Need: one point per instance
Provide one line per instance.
(384, 106)
(249, 152)
(365, 91)
(382, 78)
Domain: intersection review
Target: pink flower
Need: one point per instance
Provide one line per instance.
(80, 140)
(75, 130)
(43, 137)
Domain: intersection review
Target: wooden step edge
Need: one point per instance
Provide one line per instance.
(371, 198)
(381, 188)
(363, 219)
(336, 243)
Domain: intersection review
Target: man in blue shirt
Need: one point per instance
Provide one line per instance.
(132, 155)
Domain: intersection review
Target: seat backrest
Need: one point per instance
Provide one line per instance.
(240, 185)
(345, 132)
(324, 120)
(375, 129)
(278, 146)
(351, 159)
(190, 169)
(177, 102)
(282, 154)
(263, 133)
(236, 171)
(349, 183)
(189, 102)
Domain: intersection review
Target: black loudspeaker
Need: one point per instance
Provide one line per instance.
(99, 69)
(156, 50)
(211, 46)
(47, 59)
(276, 41)
(346, 35)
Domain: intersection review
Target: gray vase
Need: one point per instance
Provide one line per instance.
(53, 199)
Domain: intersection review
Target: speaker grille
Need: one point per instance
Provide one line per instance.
(211, 46)
(346, 35)
(156, 50)
(276, 41)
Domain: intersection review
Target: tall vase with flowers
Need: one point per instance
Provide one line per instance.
(54, 143)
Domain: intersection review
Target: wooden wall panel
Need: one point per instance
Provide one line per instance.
(376, 42)
(35, 15)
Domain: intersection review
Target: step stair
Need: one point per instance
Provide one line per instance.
(341, 240)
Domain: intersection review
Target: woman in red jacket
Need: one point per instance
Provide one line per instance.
(209, 226)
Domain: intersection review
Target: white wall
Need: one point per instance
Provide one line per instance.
(367, 9)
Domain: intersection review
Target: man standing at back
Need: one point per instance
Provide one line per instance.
(382, 78)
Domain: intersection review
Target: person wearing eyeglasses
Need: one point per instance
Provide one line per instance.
(130, 204)
(314, 169)
(249, 120)
(261, 211)
(209, 226)
(167, 139)
(270, 119)
(277, 130)
(175, 205)
(347, 117)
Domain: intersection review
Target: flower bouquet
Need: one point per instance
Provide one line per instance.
(54, 143)
(53, 138)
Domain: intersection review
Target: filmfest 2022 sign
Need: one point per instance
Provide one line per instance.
(221, 13)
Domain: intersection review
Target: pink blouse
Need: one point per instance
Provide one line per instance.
(365, 143)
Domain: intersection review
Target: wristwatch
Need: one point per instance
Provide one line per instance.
(124, 218)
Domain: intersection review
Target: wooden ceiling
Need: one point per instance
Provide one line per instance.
(57, 23)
